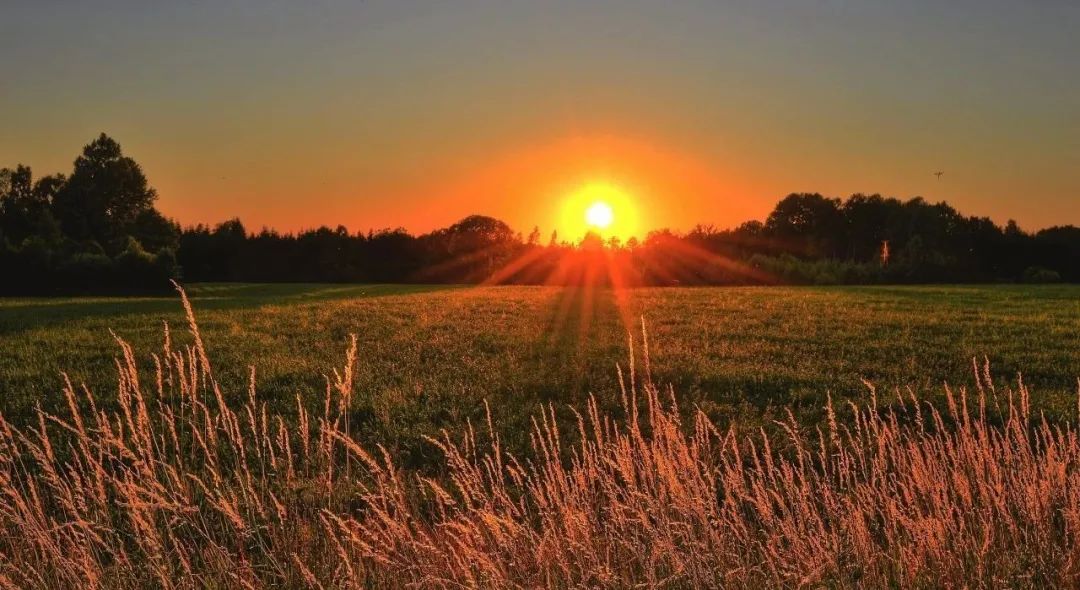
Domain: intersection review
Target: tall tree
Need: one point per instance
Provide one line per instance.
(24, 206)
(104, 196)
(809, 224)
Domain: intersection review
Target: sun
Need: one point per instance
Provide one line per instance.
(599, 215)
(599, 207)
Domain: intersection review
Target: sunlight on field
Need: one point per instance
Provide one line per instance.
(429, 355)
(891, 491)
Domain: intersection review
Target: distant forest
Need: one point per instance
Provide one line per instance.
(97, 230)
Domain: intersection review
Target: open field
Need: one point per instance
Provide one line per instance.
(165, 480)
(429, 356)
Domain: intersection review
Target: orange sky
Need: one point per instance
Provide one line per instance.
(416, 114)
(533, 184)
(551, 185)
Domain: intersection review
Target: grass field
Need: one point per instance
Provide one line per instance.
(163, 480)
(429, 356)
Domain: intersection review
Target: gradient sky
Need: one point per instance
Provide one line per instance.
(401, 113)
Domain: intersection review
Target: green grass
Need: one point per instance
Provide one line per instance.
(429, 356)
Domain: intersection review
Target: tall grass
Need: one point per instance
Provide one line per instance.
(180, 484)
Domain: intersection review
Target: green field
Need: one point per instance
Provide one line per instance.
(429, 356)
(360, 489)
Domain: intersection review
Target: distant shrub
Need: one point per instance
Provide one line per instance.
(39, 267)
(1038, 274)
(137, 269)
(789, 269)
(86, 269)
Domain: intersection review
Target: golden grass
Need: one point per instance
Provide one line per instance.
(180, 485)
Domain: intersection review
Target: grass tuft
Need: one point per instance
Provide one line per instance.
(181, 485)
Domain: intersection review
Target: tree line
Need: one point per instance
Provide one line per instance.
(97, 230)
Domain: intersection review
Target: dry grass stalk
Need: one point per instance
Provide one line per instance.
(167, 490)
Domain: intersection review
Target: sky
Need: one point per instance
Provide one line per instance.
(414, 114)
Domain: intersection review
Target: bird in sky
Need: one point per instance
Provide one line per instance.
(938, 174)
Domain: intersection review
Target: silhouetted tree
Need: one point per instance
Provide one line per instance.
(807, 225)
(25, 206)
(97, 230)
(104, 195)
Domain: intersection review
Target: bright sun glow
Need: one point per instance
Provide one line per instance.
(599, 215)
(600, 207)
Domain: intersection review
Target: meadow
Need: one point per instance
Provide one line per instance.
(429, 356)
(567, 459)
